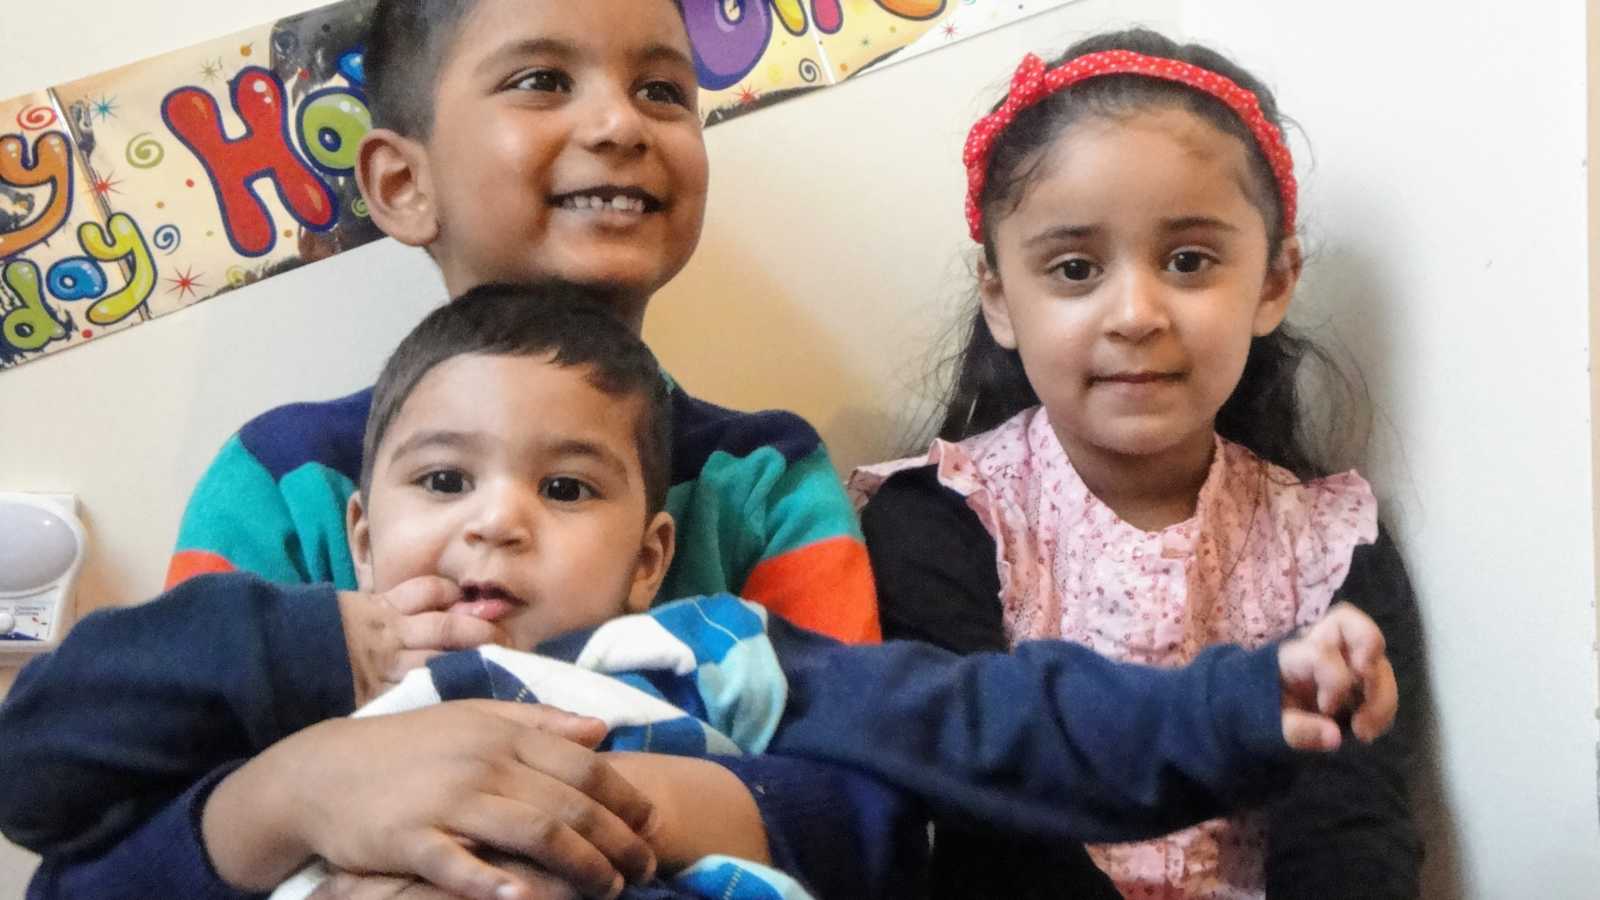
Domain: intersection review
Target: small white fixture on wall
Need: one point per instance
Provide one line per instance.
(42, 546)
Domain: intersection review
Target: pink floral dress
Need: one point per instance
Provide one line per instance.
(1262, 555)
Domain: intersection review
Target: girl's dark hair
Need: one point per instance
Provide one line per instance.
(1264, 412)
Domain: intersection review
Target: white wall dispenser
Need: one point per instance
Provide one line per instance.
(42, 546)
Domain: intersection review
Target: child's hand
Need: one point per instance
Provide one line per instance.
(409, 794)
(389, 634)
(349, 886)
(1333, 666)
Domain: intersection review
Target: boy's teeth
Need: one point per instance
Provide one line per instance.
(619, 204)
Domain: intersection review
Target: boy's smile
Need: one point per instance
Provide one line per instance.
(521, 482)
(566, 143)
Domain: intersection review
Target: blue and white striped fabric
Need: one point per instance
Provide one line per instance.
(689, 678)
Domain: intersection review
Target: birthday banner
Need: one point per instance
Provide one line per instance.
(144, 190)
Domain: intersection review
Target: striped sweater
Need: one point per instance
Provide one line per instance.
(759, 509)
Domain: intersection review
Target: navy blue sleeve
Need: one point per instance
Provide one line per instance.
(840, 833)
(140, 703)
(163, 857)
(1052, 740)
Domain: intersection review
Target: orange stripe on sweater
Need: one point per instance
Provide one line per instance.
(824, 587)
(186, 564)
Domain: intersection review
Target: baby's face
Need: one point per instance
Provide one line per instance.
(520, 481)
(567, 143)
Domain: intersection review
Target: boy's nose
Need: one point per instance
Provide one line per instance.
(502, 519)
(1138, 307)
(613, 123)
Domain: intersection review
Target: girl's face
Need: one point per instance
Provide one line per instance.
(1131, 279)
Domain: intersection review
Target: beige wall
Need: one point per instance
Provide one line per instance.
(1445, 203)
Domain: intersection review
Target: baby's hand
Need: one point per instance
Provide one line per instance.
(1336, 665)
(409, 794)
(389, 634)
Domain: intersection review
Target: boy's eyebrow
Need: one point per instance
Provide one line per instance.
(529, 47)
(664, 53)
(589, 449)
(423, 440)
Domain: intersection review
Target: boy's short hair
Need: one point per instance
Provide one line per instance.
(406, 50)
(570, 323)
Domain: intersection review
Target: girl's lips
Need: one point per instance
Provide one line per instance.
(1136, 378)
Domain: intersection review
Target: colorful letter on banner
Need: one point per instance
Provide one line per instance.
(265, 151)
(211, 168)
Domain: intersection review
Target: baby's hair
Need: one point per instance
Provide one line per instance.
(408, 46)
(571, 324)
(1264, 412)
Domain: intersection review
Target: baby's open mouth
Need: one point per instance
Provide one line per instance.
(488, 601)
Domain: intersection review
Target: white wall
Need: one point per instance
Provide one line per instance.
(1447, 205)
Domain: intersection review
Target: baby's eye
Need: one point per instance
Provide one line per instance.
(566, 490)
(544, 80)
(1190, 262)
(664, 92)
(1077, 269)
(445, 481)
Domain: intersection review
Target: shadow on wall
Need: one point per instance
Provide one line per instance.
(1346, 304)
(731, 333)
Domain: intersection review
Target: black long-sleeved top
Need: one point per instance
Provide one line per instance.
(1343, 829)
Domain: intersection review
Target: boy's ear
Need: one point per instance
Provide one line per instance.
(1283, 275)
(996, 312)
(392, 172)
(655, 555)
(359, 534)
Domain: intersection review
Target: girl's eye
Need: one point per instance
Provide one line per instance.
(445, 481)
(1189, 262)
(1077, 269)
(544, 80)
(566, 490)
(664, 92)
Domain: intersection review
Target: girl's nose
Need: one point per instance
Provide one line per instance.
(1138, 307)
(502, 517)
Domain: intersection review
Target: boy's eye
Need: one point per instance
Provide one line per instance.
(566, 490)
(544, 80)
(1077, 269)
(445, 481)
(664, 92)
(1189, 262)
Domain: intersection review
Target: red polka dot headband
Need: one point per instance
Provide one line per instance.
(1033, 83)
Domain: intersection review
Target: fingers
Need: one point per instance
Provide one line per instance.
(563, 850)
(1380, 702)
(585, 731)
(454, 868)
(348, 886)
(1363, 641)
(446, 631)
(1309, 731)
(592, 776)
(429, 593)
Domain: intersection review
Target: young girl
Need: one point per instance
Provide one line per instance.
(1122, 461)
